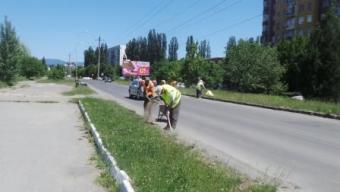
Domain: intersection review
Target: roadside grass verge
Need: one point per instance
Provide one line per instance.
(3, 85)
(104, 179)
(271, 101)
(60, 81)
(154, 161)
(80, 90)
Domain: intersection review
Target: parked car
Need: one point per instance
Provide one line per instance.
(87, 78)
(135, 90)
(107, 79)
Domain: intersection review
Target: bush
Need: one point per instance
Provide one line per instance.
(32, 67)
(252, 67)
(56, 73)
(210, 72)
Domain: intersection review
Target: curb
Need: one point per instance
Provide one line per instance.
(119, 175)
(325, 115)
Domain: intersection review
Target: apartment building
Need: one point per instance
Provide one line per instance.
(116, 55)
(285, 19)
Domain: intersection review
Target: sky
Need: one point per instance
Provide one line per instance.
(59, 28)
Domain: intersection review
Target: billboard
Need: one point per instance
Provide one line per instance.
(135, 68)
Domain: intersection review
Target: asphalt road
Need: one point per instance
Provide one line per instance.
(301, 151)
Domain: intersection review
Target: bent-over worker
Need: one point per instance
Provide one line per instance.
(172, 100)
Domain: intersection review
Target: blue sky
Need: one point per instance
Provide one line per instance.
(57, 28)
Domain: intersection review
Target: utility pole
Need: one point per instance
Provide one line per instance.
(69, 64)
(98, 73)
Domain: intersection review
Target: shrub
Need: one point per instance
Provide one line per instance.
(252, 67)
(56, 73)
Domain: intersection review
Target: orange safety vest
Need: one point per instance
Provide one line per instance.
(149, 89)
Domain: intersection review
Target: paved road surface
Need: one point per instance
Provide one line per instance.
(42, 145)
(298, 149)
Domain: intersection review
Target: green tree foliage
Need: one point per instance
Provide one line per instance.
(151, 48)
(204, 49)
(191, 48)
(253, 68)
(107, 70)
(90, 57)
(56, 73)
(210, 72)
(32, 67)
(291, 55)
(91, 71)
(168, 70)
(320, 73)
(11, 52)
(231, 43)
(173, 48)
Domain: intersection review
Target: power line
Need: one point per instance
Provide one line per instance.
(153, 15)
(198, 15)
(181, 13)
(233, 25)
(146, 15)
(218, 11)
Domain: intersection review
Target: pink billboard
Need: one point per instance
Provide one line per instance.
(136, 68)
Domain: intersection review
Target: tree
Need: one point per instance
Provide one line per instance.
(204, 49)
(291, 55)
(56, 73)
(173, 48)
(191, 48)
(32, 67)
(231, 43)
(11, 51)
(321, 70)
(253, 68)
(90, 57)
(107, 70)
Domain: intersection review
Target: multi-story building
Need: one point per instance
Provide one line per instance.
(285, 19)
(116, 55)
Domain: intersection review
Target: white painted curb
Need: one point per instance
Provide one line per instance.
(119, 175)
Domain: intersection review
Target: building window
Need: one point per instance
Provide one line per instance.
(309, 6)
(325, 3)
(309, 18)
(301, 8)
(301, 20)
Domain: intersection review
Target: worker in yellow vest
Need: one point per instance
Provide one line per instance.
(172, 100)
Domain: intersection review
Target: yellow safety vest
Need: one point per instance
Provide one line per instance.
(171, 96)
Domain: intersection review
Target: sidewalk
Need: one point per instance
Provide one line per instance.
(43, 145)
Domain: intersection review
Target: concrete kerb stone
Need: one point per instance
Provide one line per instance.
(119, 175)
(330, 116)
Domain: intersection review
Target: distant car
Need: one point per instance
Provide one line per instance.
(87, 78)
(181, 85)
(107, 79)
(135, 90)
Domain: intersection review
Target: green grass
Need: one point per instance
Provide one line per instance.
(104, 179)
(3, 85)
(154, 161)
(61, 81)
(272, 101)
(80, 90)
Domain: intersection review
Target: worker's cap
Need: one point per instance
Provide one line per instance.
(158, 90)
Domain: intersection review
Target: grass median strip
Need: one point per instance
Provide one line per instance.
(272, 101)
(155, 162)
